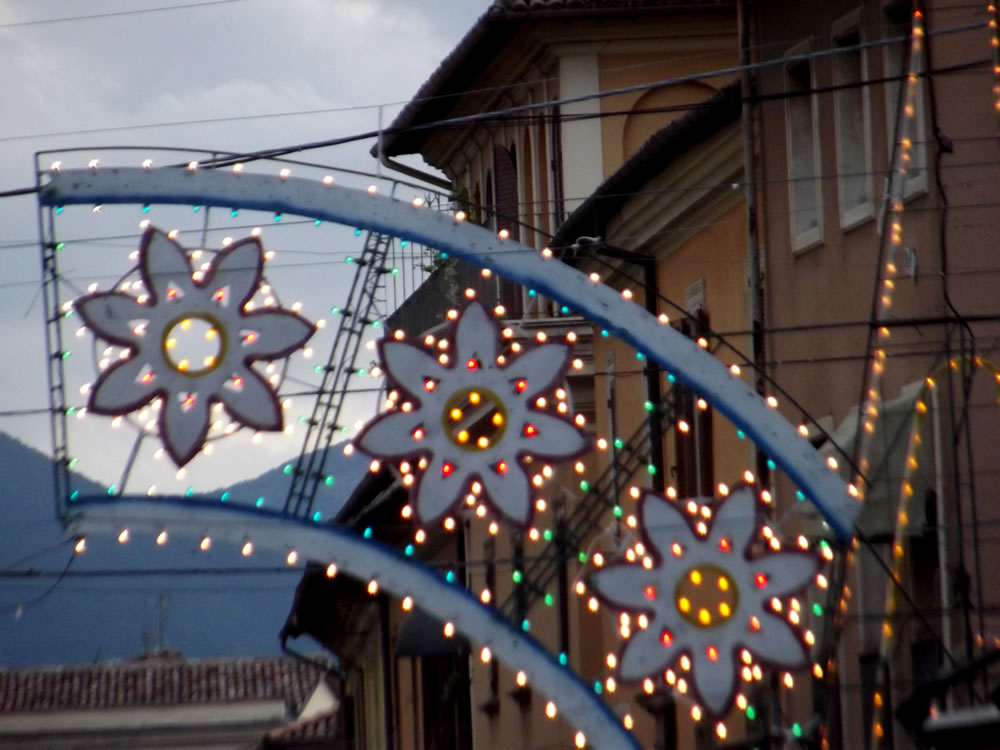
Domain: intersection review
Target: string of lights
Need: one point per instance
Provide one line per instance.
(785, 679)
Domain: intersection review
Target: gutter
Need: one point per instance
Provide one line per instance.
(385, 161)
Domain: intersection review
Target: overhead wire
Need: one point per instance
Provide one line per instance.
(114, 14)
(534, 107)
(59, 578)
(499, 88)
(599, 95)
(454, 121)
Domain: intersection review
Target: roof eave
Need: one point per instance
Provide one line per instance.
(593, 215)
(491, 31)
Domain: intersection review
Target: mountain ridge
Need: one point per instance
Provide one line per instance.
(57, 607)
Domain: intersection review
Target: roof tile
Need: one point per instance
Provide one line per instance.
(156, 683)
(500, 6)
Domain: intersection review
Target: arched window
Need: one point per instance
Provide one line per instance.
(505, 166)
(477, 205)
(504, 162)
(656, 109)
(527, 192)
(490, 207)
(544, 206)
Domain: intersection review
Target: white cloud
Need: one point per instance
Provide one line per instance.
(247, 58)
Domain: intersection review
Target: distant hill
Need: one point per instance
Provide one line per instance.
(346, 473)
(89, 615)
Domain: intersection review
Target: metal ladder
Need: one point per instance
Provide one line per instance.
(365, 305)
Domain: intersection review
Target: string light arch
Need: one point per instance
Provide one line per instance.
(687, 361)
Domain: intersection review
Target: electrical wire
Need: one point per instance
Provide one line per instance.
(600, 95)
(679, 190)
(784, 61)
(59, 578)
(37, 553)
(114, 14)
(35, 574)
(525, 108)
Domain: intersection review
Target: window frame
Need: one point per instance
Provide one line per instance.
(812, 237)
(855, 215)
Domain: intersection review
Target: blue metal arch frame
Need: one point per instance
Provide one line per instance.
(365, 559)
(690, 364)
(631, 323)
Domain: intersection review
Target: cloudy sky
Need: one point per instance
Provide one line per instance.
(321, 67)
(131, 73)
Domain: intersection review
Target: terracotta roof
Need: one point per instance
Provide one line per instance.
(501, 6)
(487, 37)
(320, 727)
(156, 683)
(592, 216)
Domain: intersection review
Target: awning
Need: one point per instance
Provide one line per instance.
(887, 458)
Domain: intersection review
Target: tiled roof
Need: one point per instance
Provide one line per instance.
(320, 727)
(539, 5)
(487, 38)
(156, 683)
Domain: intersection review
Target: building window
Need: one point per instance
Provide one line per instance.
(505, 166)
(477, 205)
(694, 467)
(853, 124)
(509, 293)
(896, 24)
(527, 191)
(802, 142)
(492, 704)
(520, 589)
(490, 208)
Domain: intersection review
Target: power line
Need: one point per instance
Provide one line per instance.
(520, 109)
(181, 123)
(599, 95)
(35, 574)
(113, 14)
(527, 205)
(59, 577)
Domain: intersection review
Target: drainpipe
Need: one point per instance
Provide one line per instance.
(754, 286)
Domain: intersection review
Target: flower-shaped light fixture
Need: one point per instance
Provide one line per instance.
(706, 596)
(191, 342)
(471, 413)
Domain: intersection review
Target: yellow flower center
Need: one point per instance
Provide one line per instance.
(474, 419)
(706, 596)
(194, 343)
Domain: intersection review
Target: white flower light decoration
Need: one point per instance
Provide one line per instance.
(706, 596)
(475, 417)
(178, 307)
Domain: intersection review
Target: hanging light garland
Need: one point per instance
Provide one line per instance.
(903, 516)
(994, 29)
(886, 285)
(707, 602)
(472, 420)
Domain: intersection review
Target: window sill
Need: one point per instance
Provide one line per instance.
(806, 241)
(857, 216)
(915, 188)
